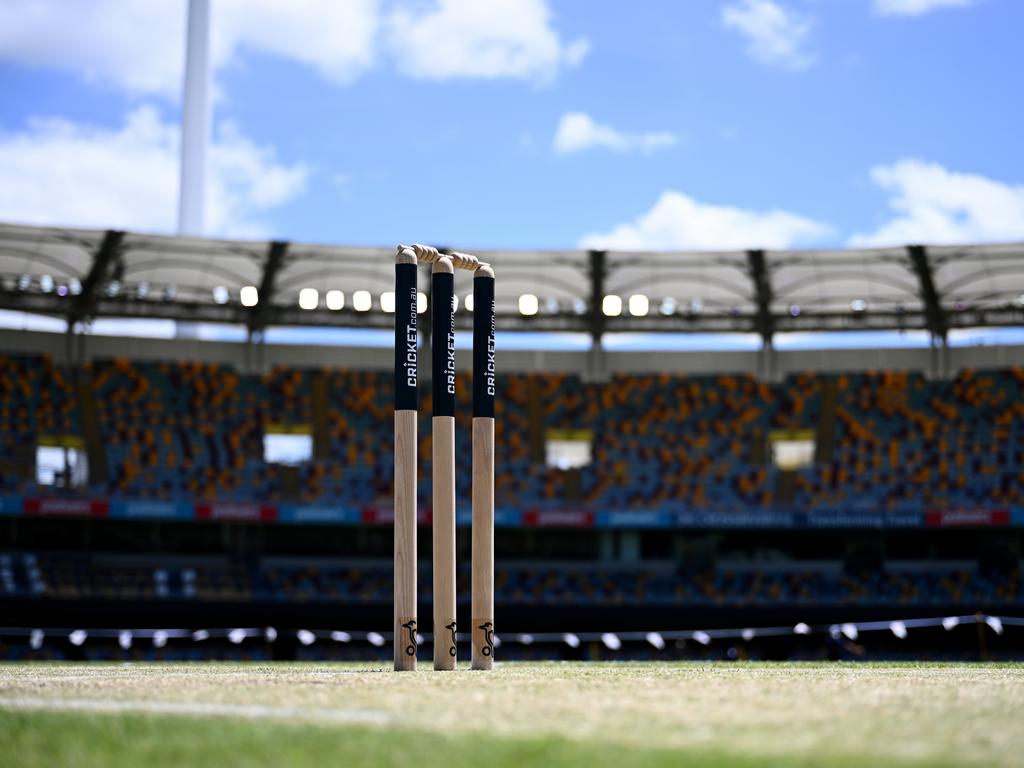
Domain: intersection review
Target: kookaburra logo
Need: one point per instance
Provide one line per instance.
(410, 649)
(488, 630)
(453, 650)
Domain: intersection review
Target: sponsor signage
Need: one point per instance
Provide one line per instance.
(950, 518)
(59, 507)
(236, 512)
(558, 518)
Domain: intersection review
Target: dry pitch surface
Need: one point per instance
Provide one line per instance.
(521, 714)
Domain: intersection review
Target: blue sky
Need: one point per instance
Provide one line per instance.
(528, 123)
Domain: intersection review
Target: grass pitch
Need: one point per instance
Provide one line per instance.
(612, 714)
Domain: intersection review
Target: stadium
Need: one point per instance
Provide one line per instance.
(751, 505)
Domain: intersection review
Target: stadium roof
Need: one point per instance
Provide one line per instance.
(82, 274)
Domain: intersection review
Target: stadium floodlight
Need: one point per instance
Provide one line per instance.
(857, 306)
(455, 302)
(341, 637)
(702, 637)
(362, 301)
(495, 641)
(335, 300)
(638, 305)
(611, 641)
(114, 288)
(220, 294)
(571, 640)
(305, 637)
(421, 302)
(612, 305)
(551, 306)
(387, 302)
(528, 305)
(236, 636)
(950, 622)
(46, 283)
(75, 286)
(78, 636)
(801, 629)
(656, 640)
(899, 629)
(142, 290)
(249, 296)
(309, 298)
(469, 302)
(995, 623)
(35, 639)
(794, 310)
(170, 292)
(24, 283)
(62, 290)
(159, 638)
(579, 306)
(748, 634)
(696, 306)
(375, 639)
(668, 306)
(849, 631)
(270, 634)
(1020, 299)
(200, 634)
(124, 639)
(525, 639)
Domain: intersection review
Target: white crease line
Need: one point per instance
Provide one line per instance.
(251, 711)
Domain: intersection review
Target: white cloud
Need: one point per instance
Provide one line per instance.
(916, 7)
(678, 222)
(775, 35)
(469, 38)
(65, 173)
(139, 45)
(935, 205)
(578, 132)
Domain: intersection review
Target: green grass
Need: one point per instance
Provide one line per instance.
(521, 714)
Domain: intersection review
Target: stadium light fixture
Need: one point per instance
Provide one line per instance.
(899, 629)
(78, 636)
(849, 631)
(335, 300)
(794, 310)
(525, 639)
(46, 283)
(995, 624)
(114, 288)
(124, 639)
(35, 640)
(950, 622)
(579, 306)
(375, 639)
(220, 294)
(638, 305)
(142, 290)
(362, 301)
(421, 302)
(469, 302)
(309, 298)
(236, 636)
(305, 637)
(249, 296)
(702, 637)
(551, 306)
(159, 638)
(74, 286)
(170, 292)
(270, 634)
(24, 283)
(455, 302)
(1020, 299)
(570, 639)
(341, 637)
(801, 629)
(656, 640)
(200, 634)
(387, 302)
(528, 305)
(858, 306)
(611, 641)
(748, 634)
(668, 307)
(612, 305)
(696, 306)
